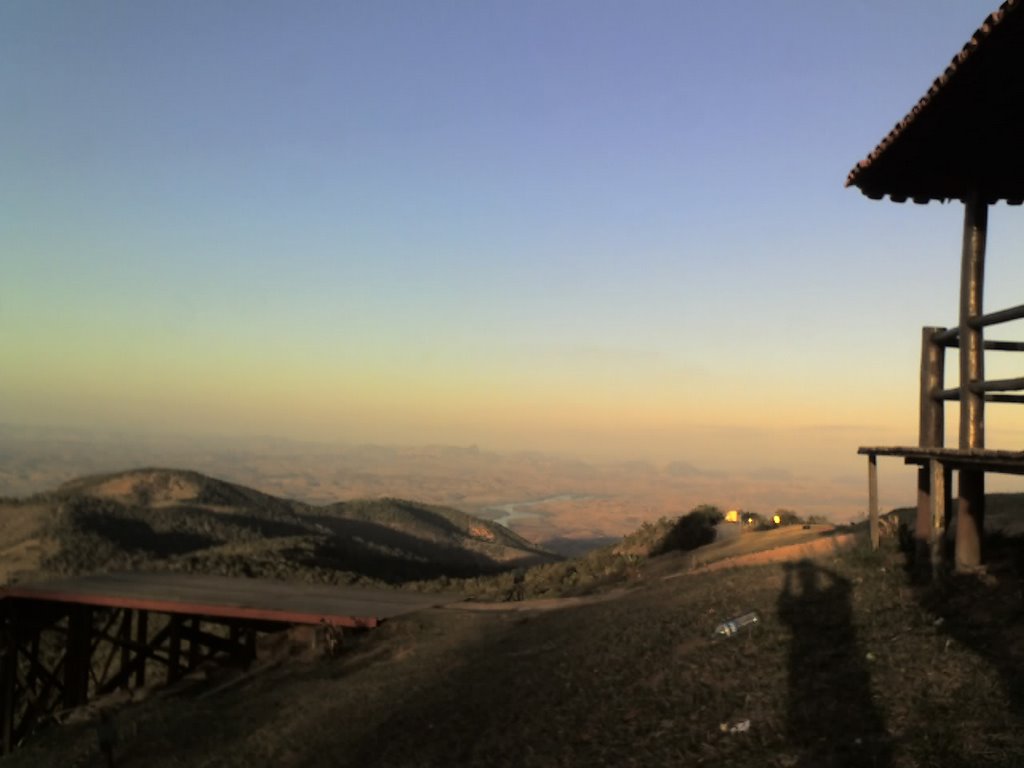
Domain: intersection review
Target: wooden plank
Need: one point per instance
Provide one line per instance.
(1002, 316)
(999, 346)
(1004, 398)
(996, 385)
(222, 597)
(951, 454)
(1004, 346)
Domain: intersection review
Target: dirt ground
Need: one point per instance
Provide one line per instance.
(853, 663)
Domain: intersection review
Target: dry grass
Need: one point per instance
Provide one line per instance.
(852, 665)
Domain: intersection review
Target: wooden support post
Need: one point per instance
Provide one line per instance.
(193, 642)
(249, 648)
(948, 501)
(970, 517)
(33, 649)
(8, 682)
(125, 639)
(174, 649)
(970, 523)
(931, 428)
(77, 656)
(141, 645)
(873, 499)
(937, 476)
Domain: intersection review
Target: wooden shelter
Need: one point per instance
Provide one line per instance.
(964, 140)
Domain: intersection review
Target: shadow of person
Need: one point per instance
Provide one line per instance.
(830, 715)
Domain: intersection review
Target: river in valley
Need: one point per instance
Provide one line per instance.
(507, 513)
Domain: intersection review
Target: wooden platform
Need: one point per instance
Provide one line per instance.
(935, 502)
(234, 598)
(64, 642)
(1006, 462)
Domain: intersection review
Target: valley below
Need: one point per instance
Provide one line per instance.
(561, 502)
(528, 657)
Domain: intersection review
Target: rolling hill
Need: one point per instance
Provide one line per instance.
(185, 521)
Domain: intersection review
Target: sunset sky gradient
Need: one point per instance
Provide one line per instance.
(601, 228)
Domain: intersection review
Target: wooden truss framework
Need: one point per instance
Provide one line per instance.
(57, 656)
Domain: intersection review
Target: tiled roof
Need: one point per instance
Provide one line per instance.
(966, 131)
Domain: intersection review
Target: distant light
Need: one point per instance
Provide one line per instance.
(777, 519)
(732, 516)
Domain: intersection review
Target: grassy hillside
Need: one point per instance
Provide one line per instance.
(184, 521)
(852, 665)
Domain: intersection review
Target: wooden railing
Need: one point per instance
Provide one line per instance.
(972, 394)
(936, 340)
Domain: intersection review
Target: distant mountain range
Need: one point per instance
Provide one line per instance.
(182, 520)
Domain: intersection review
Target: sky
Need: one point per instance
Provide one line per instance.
(612, 229)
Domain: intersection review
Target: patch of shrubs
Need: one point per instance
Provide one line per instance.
(692, 530)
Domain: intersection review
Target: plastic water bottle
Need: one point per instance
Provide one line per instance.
(732, 626)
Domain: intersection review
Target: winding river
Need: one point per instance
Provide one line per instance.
(521, 510)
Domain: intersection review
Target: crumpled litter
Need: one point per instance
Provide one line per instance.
(736, 726)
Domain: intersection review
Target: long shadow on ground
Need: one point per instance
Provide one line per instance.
(830, 713)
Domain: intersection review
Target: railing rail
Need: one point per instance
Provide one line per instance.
(943, 338)
(950, 337)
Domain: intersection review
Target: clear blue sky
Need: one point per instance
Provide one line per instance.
(605, 227)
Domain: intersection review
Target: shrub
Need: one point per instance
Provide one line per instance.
(692, 530)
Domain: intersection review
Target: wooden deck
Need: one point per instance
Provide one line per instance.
(935, 502)
(234, 598)
(1005, 462)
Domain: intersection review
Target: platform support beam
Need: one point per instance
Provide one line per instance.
(77, 656)
(937, 524)
(8, 681)
(873, 500)
(931, 428)
(970, 524)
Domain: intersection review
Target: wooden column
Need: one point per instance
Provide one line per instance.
(174, 649)
(77, 656)
(873, 499)
(141, 646)
(125, 640)
(937, 478)
(249, 646)
(8, 682)
(195, 628)
(931, 430)
(970, 523)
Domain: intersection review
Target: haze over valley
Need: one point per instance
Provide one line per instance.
(546, 498)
